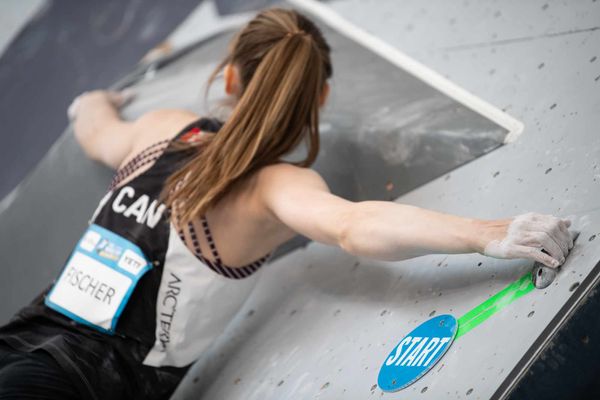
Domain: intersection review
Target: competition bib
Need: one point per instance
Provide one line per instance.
(98, 279)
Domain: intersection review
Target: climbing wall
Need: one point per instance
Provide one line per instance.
(321, 323)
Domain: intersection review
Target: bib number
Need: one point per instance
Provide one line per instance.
(98, 279)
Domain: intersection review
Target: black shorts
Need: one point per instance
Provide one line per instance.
(33, 375)
(91, 365)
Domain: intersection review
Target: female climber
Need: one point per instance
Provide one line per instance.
(195, 208)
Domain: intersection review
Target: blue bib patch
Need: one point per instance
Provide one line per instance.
(98, 279)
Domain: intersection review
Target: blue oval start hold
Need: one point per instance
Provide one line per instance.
(417, 353)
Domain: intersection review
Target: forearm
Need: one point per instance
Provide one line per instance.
(392, 231)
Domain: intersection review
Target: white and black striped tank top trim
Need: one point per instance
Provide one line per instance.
(145, 157)
(217, 265)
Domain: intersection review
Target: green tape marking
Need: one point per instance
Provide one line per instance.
(494, 304)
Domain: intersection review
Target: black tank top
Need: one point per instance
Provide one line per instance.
(165, 325)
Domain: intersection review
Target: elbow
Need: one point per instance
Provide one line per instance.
(348, 231)
(344, 241)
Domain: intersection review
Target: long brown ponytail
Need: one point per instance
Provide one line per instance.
(283, 62)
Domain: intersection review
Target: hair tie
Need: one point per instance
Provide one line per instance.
(298, 32)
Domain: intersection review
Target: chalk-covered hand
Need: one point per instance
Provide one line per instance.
(538, 237)
(88, 99)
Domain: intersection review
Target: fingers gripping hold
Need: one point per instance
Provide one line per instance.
(542, 238)
(117, 98)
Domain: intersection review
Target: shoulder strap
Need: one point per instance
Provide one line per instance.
(203, 124)
(209, 239)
